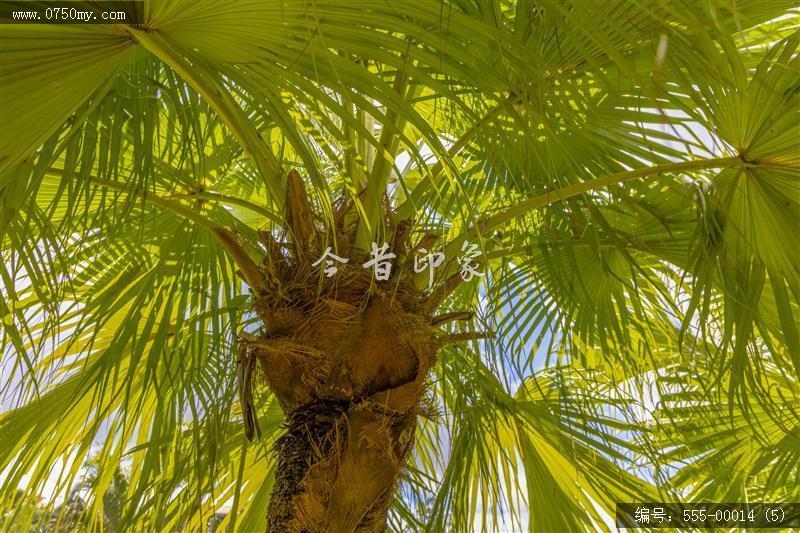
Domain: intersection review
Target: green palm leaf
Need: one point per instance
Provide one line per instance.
(628, 170)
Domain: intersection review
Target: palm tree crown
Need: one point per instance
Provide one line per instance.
(624, 176)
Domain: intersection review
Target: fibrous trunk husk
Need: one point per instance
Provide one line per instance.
(347, 359)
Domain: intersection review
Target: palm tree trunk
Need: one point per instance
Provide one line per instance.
(338, 466)
(347, 357)
(349, 379)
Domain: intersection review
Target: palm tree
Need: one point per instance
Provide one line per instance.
(189, 203)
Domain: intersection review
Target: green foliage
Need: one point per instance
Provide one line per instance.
(630, 170)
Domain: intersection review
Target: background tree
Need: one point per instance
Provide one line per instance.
(34, 514)
(628, 171)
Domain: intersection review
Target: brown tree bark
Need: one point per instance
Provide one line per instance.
(347, 358)
(350, 379)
